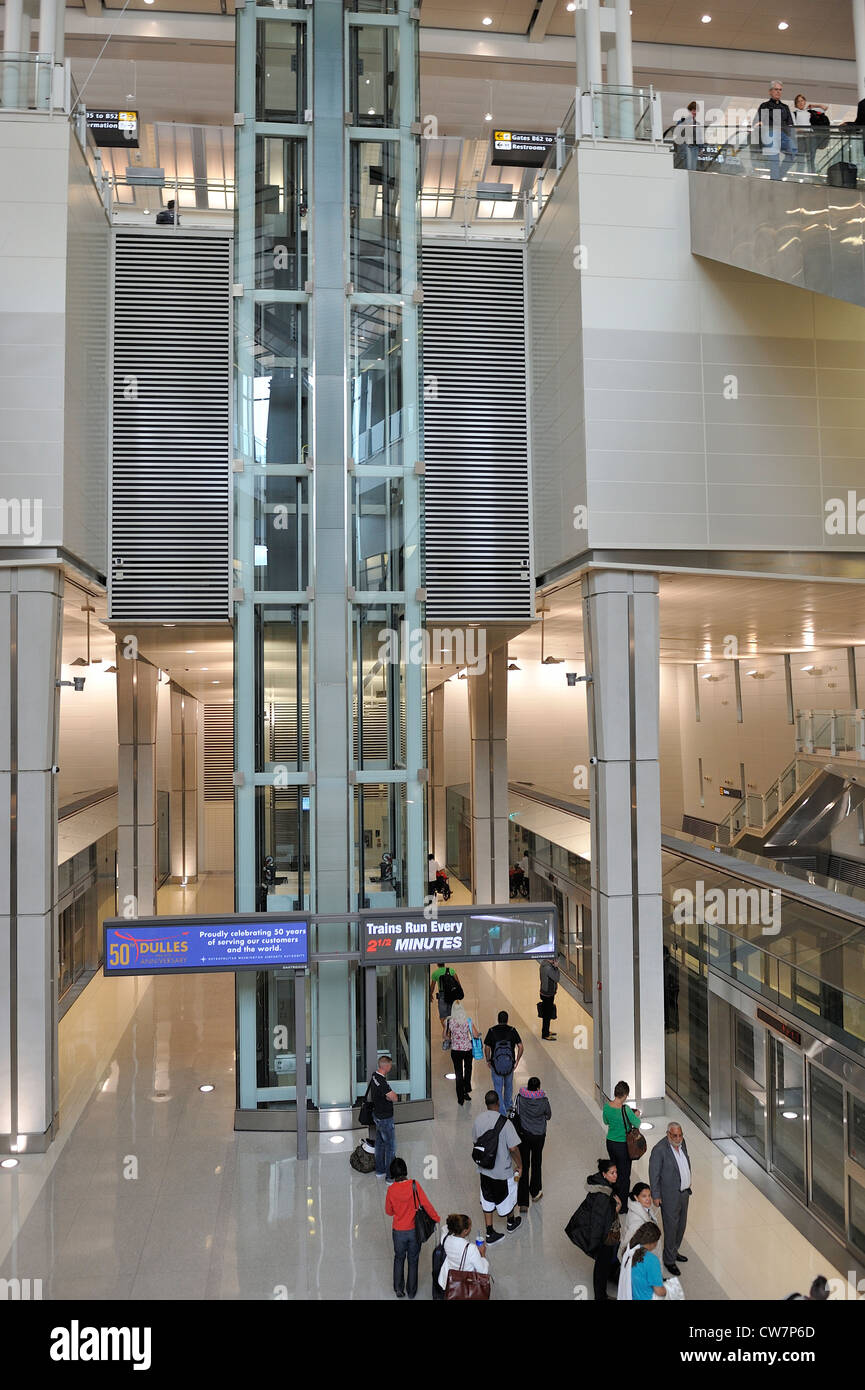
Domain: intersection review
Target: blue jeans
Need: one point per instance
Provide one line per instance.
(506, 1084)
(405, 1243)
(385, 1146)
(782, 142)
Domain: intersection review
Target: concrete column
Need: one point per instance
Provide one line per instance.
(859, 46)
(31, 618)
(45, 44)
(620, 624)
(183, 794)
(592, 34)
(137, 691)
(60, 32)
(438, 791)
(488, 727)
(624, 54)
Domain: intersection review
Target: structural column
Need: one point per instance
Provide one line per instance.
(859, 46)
(589, 61)
(30, 635)
(137, 692)
(488, 726)
(183, 796)
(620, 625)
(438, 791)
(13, 22)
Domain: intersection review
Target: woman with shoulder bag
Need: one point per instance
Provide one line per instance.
(463, 1258)
(405, 1202)
(605, 1230)
(531, 1112)
(461, 1032)
(619, 1119)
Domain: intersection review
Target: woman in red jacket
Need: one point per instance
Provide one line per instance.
(403, 1199)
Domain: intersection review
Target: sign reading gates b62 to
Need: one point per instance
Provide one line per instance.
(476, 933)
(521, 149)
(185, 945)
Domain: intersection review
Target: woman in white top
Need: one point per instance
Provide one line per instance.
(640, 1210)
(460, 1252)
(802, 109)
(460, 1030)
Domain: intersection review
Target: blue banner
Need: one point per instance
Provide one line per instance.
(195, 944)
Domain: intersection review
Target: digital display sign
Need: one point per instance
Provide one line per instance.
(523, 149)
(187, 945)
(114, 128)
(478, 933)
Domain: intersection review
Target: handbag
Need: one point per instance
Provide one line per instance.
(423, 1222)
(674, 1291)
(636, 1144)
(366, 1114)
(477, 1046)
(467, 1283)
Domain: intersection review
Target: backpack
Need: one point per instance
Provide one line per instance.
(579, 1227)
(503, 1057)
(485, 1148)
(590, 1223)
(438, 1259)
(451, 988)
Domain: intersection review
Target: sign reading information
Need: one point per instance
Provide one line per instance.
(160, 946)
(477, 933)
(114, 128)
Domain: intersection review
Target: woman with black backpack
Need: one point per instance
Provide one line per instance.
(594, 1226)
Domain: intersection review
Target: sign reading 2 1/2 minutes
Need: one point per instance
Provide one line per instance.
(162, 946)
(477, 933)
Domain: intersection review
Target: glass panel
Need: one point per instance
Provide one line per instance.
(376, 265)
(376, 386)
(750, 1050)
(827, 1146)
(381, 646)
(856, 1130)
(272, 407)
(282, 815)
(281, 555)
(378, 534)
(283, 688)
(750, 1120)
(687, 1016)
(163, 836)
(275, 1017)
(856, 1224)
(788, 1115)
(279, 73)
(373, 76)
(379, 822)
(281, 211)
(373, 6)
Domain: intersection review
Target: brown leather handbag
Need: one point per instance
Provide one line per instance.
(633, 1138)
(467, 1283)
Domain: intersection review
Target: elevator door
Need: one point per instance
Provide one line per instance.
(749, 1085)
(787, 1115)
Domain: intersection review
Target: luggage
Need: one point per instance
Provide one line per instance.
(451, 988)
(362, 1161)
(579, 1228)
(841, 175)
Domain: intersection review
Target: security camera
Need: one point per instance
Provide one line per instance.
(78, 682)
(55, 768)
(593, 761)
(571, 677)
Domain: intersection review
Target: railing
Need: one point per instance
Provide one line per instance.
(831, 156)
(832, 730)
(151, 195)
(757, 810)
(28, 83)
(608, 112)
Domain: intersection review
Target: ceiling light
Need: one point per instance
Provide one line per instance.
(371, 111)
(450, 1076)
(706, 19)
(190, 651)
(783, 24)
(111, 670)
(488, 116)
(807, 668)
(205, 668)
(790, 1114)
(514, 667)
(9, 1163)
(169, 624)
(79, 661)
(571, 6)
(486, 20)
(553, 660)
(207, 1087)
(646, 1124)
(148, 2)
(214, 682)
(337, 1139)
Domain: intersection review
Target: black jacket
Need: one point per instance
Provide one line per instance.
(778, 115)
(592, 1220)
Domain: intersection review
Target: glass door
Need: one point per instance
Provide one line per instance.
(749, 1085)
(827, 1145)
(787, 1123)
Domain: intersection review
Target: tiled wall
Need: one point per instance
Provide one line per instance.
(722, 409)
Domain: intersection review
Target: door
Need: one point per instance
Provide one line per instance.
(826, 1114)
(749, 1085)
(787, 1115)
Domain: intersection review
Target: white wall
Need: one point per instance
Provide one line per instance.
(88, 734)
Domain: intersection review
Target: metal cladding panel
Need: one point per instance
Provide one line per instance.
(477, 495)
(171, 435)
(218, 753)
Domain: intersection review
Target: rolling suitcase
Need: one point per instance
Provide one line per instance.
(841, 175)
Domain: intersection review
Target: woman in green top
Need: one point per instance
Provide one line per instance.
(615, 1112)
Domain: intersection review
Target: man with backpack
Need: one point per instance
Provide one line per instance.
(496, 1151)
(503, 1048)
(449, 991)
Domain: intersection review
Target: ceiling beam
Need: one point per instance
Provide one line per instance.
(540, 19)
(93, 9)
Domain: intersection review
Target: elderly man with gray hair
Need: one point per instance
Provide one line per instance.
(670, 1180)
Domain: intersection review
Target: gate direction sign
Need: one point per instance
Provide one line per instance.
(114, 128)
(195, 945)
(523, 149)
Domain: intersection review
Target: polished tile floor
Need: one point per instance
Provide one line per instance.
(149, 1193)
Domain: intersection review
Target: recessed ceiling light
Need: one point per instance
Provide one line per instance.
(571, 5)
(148, 2)
(646, 1124)
(486, 20)
(783, 24)
(790, 1114)
(706, 19)
(207, 1087)
(214, 682)
(169, 624)
(190, 651)
(371, 111)
(488, 116)
(9, 1163)
(205, 668)
(337, 1139)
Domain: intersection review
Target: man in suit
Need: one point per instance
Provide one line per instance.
(670, 1181)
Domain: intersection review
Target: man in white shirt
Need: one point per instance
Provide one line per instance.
(670, 1180)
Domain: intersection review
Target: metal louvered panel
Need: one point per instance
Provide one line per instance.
(477, 505)
(171, 427)
(218, 753)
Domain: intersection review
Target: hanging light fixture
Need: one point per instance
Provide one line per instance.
(548, 660)
(80, 660)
